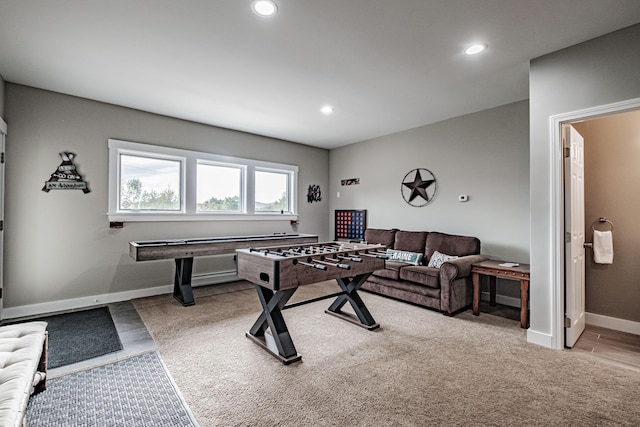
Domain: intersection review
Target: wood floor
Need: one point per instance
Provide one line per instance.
(607, 345)
(613, 347)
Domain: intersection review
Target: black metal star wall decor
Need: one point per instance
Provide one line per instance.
(419, 187)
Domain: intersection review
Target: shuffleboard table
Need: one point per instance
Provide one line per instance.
(184, 250)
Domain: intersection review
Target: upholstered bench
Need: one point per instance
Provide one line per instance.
(23, 367)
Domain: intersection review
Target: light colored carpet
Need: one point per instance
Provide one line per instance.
(419, 368)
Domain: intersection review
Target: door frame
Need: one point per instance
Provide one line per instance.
(3, 135)
(557, 205)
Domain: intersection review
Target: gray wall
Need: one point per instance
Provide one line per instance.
(483, 155)
(612, 177)
(1, 97)
(594, 73)
(58, 245)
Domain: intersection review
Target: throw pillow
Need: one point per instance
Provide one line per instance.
(414, 258)
(437, 259)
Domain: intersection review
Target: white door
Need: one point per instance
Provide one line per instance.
(574, 231)
(3, 132)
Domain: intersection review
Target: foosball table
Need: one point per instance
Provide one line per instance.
(278, 271)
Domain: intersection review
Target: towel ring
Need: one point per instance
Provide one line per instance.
(604, 221)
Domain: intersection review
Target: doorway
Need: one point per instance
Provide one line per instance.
(3, 133)
(557, 255)
(610, 288)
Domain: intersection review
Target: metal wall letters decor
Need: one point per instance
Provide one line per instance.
(350, 181)
(66, 176)
(314, 195)
(419, 187)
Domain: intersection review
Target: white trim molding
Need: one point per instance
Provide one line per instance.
(84, 302)
(189, 161)
(614, 323)
(557, 208)
(99, 300)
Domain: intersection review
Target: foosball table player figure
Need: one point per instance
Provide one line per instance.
(277, 272)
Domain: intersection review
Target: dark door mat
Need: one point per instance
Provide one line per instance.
(81, 335)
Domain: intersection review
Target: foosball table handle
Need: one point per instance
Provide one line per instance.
(318, 266)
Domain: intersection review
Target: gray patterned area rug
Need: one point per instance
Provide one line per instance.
(138, 391)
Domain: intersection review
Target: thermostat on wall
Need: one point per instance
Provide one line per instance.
(463, 198)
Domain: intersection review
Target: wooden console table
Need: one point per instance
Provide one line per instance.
(493, 269)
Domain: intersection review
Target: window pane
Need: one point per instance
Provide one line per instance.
(272, 191)
(149, 184)
(218, 188)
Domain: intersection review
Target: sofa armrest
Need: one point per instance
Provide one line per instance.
(459, 267)
(456, 288)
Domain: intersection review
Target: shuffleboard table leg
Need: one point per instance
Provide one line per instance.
(350, 288)
(278, 342)
(182, 290)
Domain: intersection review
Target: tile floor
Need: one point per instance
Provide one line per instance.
(134, 337)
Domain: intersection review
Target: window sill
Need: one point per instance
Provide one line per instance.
(157, 217)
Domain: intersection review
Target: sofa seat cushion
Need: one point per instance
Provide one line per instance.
(391, 270)
(426, 276)
(414, 288)
(401, 290)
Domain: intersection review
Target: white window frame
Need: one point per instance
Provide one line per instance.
(190, 161)
(182, 186)
(243, 186)
(290, 180)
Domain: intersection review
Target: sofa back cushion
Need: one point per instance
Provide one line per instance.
(450, 244)
(380, 236)
(410, 241)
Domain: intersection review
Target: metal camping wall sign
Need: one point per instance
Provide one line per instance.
(66, 176)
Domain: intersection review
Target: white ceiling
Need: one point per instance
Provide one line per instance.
(385, 65)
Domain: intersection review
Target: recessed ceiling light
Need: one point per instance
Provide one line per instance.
(327, 109)
(264, 7)
(476, 49)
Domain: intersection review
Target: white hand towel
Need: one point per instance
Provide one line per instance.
(603, 247)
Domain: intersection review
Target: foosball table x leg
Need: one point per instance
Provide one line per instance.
(350, 288)
(278, 342)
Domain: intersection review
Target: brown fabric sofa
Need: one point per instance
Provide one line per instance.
(447, 289)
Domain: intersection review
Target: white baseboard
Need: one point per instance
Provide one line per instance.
(608, 322)
(214, 278)
(614, 323)
(97, 300)
(501, 299)
(77, 303)
(534, 337)
(539, 338)
(545, 340)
